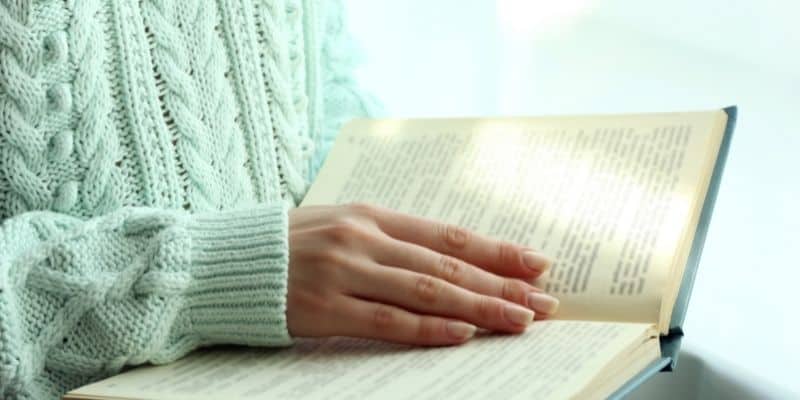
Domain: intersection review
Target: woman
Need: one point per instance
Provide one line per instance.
(151, 157)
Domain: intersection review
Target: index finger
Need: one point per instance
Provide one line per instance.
(497, 256)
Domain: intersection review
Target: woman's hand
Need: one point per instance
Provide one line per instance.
(365, 271)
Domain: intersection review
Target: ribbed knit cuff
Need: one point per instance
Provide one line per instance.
(240, 269)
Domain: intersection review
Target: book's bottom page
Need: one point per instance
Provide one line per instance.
(551, 360)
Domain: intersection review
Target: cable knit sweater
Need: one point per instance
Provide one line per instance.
(149, 153)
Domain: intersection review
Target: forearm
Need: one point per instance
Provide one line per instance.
(80, 299)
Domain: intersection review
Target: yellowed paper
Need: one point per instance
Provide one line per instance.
(551, 360)
(609, 197)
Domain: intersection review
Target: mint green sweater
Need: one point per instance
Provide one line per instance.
(149, 153)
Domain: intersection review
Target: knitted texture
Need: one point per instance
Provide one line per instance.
(149, 153)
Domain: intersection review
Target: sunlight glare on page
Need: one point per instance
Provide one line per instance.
(501, 160)
(390, 128)
(560, 181)
(567, 190)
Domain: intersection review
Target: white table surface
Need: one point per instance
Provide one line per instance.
(535, 57)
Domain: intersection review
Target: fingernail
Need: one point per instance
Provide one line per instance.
(542, 303)
(460, 330)
(536, 261)
(518, 315)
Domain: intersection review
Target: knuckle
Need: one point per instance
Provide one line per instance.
(426, 329)
(383, 318)
(427, 289)
(454, 236)
(485, 308)
(507, 254)
(513, 290)
(451, 269)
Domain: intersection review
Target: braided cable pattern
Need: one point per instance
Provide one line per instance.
(98, 147)
(58, 271)
(279, 70)
(158, 282)
(209, 63)
(182, 98)
(22, 99)
(297, 65)
(253, 119)
(113, 116)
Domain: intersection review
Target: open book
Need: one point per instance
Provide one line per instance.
(622, 202)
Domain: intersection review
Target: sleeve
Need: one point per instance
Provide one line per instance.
(79, 299)
(341, 97)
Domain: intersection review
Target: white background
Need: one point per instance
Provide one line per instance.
(535, 57)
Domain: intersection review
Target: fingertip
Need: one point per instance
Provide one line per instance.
(460, 331)
(536, 263)
(517, 315)
(532, 286)
(542, 302)
(531, 275)
(541, 316)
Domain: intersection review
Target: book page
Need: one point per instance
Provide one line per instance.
(609, 197)
(552, 359)
(621, 371)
